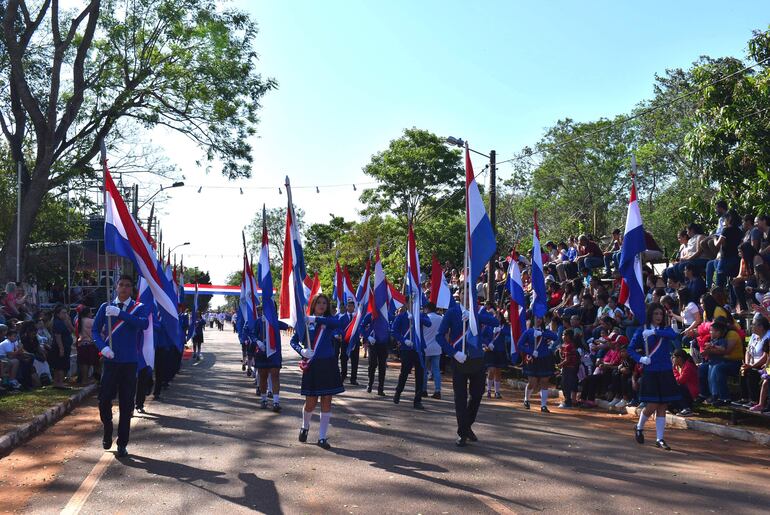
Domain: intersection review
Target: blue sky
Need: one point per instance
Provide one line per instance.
(353, 74)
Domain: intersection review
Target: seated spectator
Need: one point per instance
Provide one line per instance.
(695, 253)
(36, 353)
(612, 252)
(11, 301)
(653, 252)
(566, 268)
(590, 255)
(694, 282)
(722, 214)
(727, 245)
(622, 384)
(722, 357)
(17, 364)
(686, 375)
(601, 378)
(754, 362)
(688, 317)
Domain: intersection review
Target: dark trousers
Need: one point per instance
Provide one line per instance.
(594, 384)
(410, 359)
(750, 384)
(162, 355)
(686, 400)
(120, 379)
(143, 386)
(353, 362)
(378, 360)
(468, 389)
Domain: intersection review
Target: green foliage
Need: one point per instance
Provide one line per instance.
(417, 172)
(276, 232)
(194, 275)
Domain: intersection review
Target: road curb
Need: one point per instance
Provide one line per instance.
(736, 433)
(16, 437)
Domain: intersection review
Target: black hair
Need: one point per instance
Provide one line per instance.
(430, 306)
(683, 355)
(720, 325)
(696, 228)
(684, 296)
(126, 277)
(722, 204)
(763, 322)
(651, 308)
(709, 305)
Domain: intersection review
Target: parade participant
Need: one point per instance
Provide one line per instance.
(163, 356)
(402, 332)
(468, 375)
(377, 333)
(129, 320)
(268, 367)
(535, 344)
(348, 351)
(496, 355)
(321, 373)
(197, 338)
(432, 352)
(651, 347)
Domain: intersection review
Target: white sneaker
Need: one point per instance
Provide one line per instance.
(14, 383)
(622, 404)
(614, 402)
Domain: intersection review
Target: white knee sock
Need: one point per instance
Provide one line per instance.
(324, 427)
(526, 393)
(642, 420)
(276, 399)
(660, 427)
(497, 386)
(543, 397)
(264, 397)
(489, 384)
(306, 417)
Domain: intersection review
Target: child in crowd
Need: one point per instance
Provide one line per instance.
(569, 369)
(686, 375)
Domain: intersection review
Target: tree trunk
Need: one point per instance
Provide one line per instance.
(31, 201)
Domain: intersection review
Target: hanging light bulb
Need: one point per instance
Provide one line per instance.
(199, 189)
(317, 190)
(280, 192)
(241, 190)
(354, 188)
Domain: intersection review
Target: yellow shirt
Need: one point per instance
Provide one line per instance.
(737, 353)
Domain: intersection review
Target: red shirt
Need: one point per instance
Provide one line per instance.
(591, 249)
(618, 339)
(612, 357)
(555, 299)
(568, 355)
(688, 376)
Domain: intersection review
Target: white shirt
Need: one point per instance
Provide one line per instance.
(689, 312)
(755, 347)
(6, 347)
(125, 303)
(432, 348)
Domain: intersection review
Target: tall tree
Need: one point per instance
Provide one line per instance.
(416, 172)
(71, 79)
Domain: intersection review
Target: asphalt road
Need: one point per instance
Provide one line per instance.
(208, 448)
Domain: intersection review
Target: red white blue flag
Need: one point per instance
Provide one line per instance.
(272, 333)
(480, 242)
(146, 345)
(361, 308)
(124, 237)
(414, 294)
(517, 315)
(293, 299)
(539, 300)
(440, 295)
(632, 289)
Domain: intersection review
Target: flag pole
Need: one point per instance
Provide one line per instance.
(103, 150)
(633, 186)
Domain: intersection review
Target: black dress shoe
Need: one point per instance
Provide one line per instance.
(461, 441)
(354, 382)
(396, 398)
(436, 395)
(661, 444)
(122, 451)
(369, 389)
(418, 405)
(323, 443)
(106, 443)
(303, 435)
(381, 393)
(639, 435)
(276, 407)
(424, 393)
(472, 436)
(140, 409)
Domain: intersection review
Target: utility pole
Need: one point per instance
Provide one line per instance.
(493, 219)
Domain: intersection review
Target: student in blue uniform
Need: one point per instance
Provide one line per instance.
(651, 347)
(321, 374)
(269, 367)
(377, 333)
(468, 375)
(348, 351)
(163, 354)
(496, 355)
(129, 319)
(198, 337)
(402, 333)
(538, 345)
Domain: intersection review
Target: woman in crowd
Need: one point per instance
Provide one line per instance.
(88, 354)
(722, 356)
(754, 361)
(321, 371)
(59, 358)
(651, 347)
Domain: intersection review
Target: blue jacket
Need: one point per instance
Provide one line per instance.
(377, 327)
(344, 320)
(451, 330)
(501, 341)
(660, 358)
(401, 329)
(544, 348)
(127, 331)
(323, 346)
